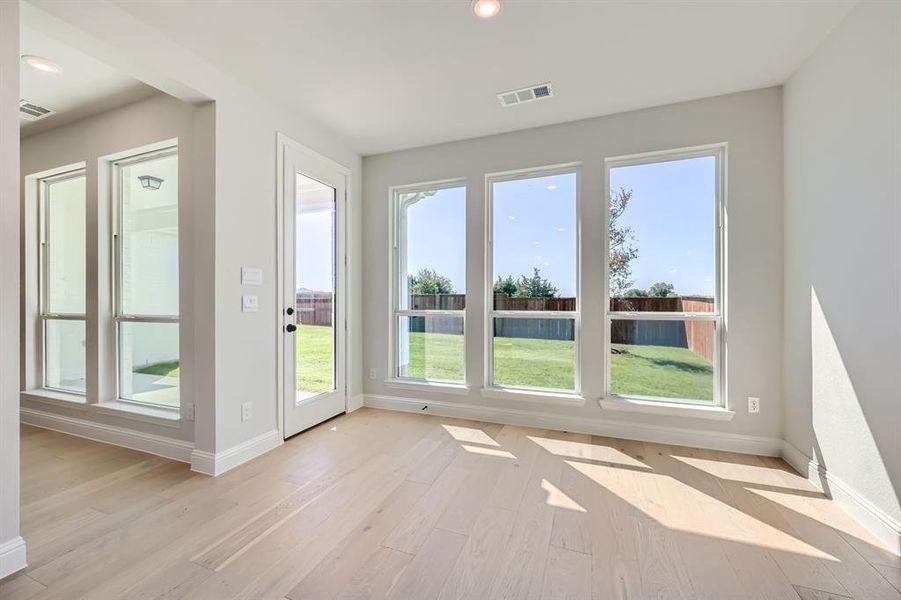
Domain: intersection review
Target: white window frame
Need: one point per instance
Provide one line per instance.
(719, 152)
(119, 316)
(44, 315)
(491, 389)
(398, 271)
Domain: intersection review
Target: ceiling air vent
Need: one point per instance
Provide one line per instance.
(33, 112)
(528, 94)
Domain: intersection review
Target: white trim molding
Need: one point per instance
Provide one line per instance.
(12, 556)
(220, 462)
(696, 411)
(678, 436)
(178, 450)
(354, 402)
(882, 525)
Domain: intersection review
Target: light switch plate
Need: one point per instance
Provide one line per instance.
(251, 276)
(250, 304)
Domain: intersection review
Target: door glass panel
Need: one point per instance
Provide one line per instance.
(314, 276)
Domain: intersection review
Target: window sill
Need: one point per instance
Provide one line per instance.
(432, 386)
(537, 396)
(55, 398)
(714, 413)
(167, 417)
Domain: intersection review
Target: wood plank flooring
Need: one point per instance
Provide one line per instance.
(379, 504)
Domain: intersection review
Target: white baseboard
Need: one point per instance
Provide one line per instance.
(354, 402)
(158, 445)
(220, 462)
(731, 442)
(873, 518)
(12, 556)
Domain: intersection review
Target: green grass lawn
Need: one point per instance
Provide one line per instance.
(656, 371)
(163, 369)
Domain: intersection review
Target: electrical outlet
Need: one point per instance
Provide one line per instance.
(189, 411)
(753, 405)
(246, 411)
(372, 373)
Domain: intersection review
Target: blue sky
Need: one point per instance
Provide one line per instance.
(671, 214)
(535, 226)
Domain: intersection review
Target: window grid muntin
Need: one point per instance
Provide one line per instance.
(119, 316)
(491, 314)
(399, 274)
(43, 276)
(719, 152)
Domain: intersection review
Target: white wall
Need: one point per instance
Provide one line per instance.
(750, 122)
(239, 364)
(12, 548)
(155, 119)
(843, 256)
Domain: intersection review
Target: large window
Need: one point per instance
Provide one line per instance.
(62, 284)
(430, 282)
(664, 320)
(533, 275)
(146, 251)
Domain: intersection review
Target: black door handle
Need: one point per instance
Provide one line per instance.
(290, 327)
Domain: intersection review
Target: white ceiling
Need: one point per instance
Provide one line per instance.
(86, 86)
(395, 74)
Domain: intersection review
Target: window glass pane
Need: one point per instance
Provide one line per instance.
(65, 246)
(149, 213)
(64, 351)
(314, 278)
(534, 239)
(663, 360)
(535, 353)
(431, 348)
(432, 246)
(148, 363)
(663, 236)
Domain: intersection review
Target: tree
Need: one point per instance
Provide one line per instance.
(505, 285)
(622, 251)
(428, 281)
(635, 293)
(661, 289)
(535, 286)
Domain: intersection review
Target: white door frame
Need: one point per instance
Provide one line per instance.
(283, 142)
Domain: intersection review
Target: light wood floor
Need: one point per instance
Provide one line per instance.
(412, 507)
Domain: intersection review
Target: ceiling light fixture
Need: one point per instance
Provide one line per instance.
(41, 64)
(486, 8)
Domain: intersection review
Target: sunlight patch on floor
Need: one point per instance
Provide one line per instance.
(488, 451)
(470, 434)
(581, 450)
(558, 498)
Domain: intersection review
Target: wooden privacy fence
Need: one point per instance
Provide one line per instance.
(315, 308)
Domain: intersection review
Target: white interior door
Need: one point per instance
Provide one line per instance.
(313, 326)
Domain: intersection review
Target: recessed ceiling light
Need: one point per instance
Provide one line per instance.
(486, 8)
(41, 64)
(551, 188)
